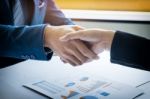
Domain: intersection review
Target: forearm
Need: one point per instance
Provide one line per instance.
(22, 42)
(130, 50)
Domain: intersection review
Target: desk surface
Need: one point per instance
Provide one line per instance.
(12, 78)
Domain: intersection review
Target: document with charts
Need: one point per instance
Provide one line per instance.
(83, 86)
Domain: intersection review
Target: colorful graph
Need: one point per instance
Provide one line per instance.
(103, 93)
(70, 84)
(88, 97)
(71, 94)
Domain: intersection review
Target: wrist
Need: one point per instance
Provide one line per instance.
(46, 35)
(108, 39)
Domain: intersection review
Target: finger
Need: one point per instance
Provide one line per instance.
(63, 60)
(74, 51)
(80, 57)
(84, 50)
(83, 35)
(70, 62)
(90, 60)
(72, 59)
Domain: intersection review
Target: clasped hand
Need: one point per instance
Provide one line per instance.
(75, 51)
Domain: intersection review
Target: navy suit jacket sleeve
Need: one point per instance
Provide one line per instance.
(131, 50)
(22, 42)
(27, 41)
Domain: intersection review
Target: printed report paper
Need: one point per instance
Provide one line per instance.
(84, 86)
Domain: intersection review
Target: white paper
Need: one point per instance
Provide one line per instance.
(84, 86)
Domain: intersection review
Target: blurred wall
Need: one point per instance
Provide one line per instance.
(121, 5)
(141, 29)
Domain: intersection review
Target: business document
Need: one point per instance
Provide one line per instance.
(79, 85)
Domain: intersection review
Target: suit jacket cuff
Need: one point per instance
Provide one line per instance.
(130, 50)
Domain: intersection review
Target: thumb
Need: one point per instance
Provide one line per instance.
(83, 35)
(70, 36)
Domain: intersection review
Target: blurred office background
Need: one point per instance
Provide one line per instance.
(127, 15)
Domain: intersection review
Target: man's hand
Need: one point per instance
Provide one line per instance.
(74, 52)
(98, 39)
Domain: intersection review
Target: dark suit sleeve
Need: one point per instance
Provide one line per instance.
(54, 15)
(131, 50)
(22, 42)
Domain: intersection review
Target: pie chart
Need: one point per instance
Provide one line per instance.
(70, 84)
(88, 97)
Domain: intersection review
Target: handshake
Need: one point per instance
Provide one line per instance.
(77, 45)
